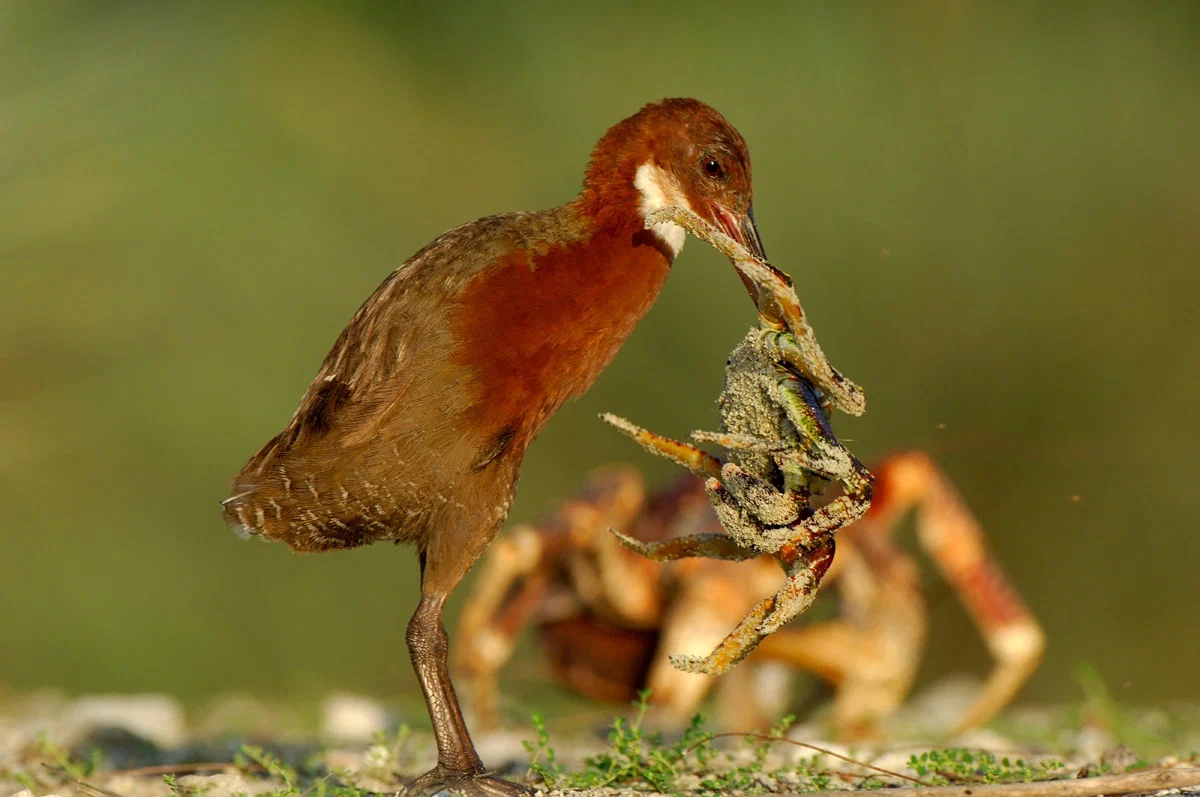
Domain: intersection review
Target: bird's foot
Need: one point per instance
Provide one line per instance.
(472, 784)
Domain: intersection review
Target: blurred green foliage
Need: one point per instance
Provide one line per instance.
(992, 212)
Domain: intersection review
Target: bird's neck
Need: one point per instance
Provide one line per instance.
(538, 326)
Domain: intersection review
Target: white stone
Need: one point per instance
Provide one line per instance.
(158, 718)
(352, 718)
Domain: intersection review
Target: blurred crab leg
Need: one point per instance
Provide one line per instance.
(696, 460)
(778, 307)
(867, 669)
(507, 593)
(707, 546)
(955, 541)
(823, 648)
(627, 582)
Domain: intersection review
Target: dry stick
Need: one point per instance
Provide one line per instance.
(183, 769)
(179, 769)
(1135, 783)
(768, 737)
(87, 787)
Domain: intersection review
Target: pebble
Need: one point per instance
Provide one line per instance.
(159, 718)
(348, 718)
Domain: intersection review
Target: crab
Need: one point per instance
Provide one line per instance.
(608, 618)
(768, 498)
(782, 454)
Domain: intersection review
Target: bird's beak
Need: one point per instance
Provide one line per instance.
(741, 228)
(750, 238)
(744, 230)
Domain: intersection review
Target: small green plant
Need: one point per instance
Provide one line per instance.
(22, 778)
(641, 760)
(179, 790)
(543, 759)
(252, 755)
(633, 756)
(60, 759)
(383, 758)
(637, 759)
(958, 765)
(255, 762)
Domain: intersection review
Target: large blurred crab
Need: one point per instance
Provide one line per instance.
(779, 392)
(608, 619)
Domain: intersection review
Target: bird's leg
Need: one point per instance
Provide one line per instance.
(429, 647)
(459, 768)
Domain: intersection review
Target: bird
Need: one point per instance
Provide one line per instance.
(416, 424)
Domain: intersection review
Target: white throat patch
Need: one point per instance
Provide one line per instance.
(659, 190)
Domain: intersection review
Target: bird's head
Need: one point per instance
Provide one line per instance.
(677, 152)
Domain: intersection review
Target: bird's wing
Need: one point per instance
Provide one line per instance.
(392, 353)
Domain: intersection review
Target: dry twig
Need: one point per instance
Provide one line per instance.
(823, 751)
(1150, 781)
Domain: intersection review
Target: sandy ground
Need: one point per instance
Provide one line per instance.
(141, 737)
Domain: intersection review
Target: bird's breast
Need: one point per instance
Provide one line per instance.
(539, 325)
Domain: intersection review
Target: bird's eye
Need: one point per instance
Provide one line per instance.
(712, 167)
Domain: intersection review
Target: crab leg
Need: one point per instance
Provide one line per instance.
(748, 532)
(955, 541)
(697, 460)
(805, 568)
(758, 445)
(507, 594)
(515, 579)
(778, 306)
(706, 546)
(735, 647)
(822, 649)
(803, 408)
(868, 668)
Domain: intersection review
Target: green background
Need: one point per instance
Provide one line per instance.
(991, 211)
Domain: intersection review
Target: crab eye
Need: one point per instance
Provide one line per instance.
(712, 167)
